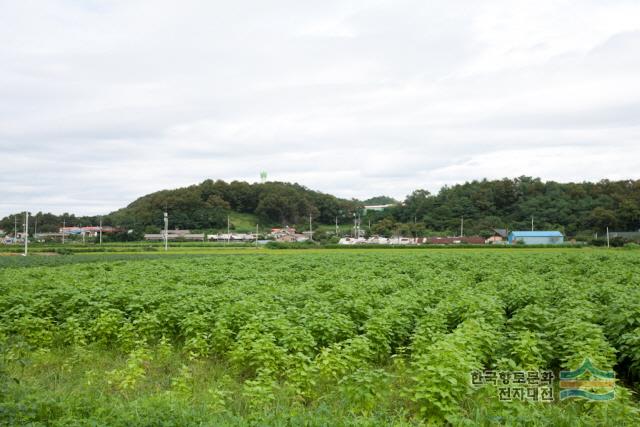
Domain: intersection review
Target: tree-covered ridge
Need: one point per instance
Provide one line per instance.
(206, 205)
(380, 200)
(506, 203)
(511, 203)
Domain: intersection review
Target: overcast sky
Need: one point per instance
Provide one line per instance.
(104, 101)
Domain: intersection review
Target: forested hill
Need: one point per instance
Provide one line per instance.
(511, 203)
(206, 205)
(505, 203)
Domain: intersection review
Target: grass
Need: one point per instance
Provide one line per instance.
(173, 391)
(243, 222)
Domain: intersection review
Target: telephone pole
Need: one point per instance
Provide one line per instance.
(607, 236)
(166, 231)
(531, 222)
(461, 226)
(310, 229)
(100, 231)
(257, 236)
(356, 225)
(228, 230)
(415, 228)
(26, 233)
(63, 227)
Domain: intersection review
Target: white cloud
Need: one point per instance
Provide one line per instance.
(105, 101)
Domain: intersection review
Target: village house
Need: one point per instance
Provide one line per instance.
(288, 234)
(231, 237)
(499, 235)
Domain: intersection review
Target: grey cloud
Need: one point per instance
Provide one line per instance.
(105, 101)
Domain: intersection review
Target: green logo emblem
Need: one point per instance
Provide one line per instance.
(587, 382)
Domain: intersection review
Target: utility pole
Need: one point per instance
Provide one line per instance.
(461, 226)
(415, 228)
(228, 230)
(166, 231)
(26, 233)
(256, 236)
(100, 231)
(531, 222)
(337, 226)
(607, 236)
(355, 226)
(310, 229)
(63, 227)
(35, 228)
(15, 229)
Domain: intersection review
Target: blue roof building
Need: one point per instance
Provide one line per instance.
(536, 237)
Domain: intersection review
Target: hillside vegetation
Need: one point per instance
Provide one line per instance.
(511, 203)
(507, 203)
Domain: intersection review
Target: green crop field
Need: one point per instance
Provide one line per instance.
(317, 337)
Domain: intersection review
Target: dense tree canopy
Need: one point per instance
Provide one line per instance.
(506, 203)
(206, 205)
(380, 200)
(511, 203)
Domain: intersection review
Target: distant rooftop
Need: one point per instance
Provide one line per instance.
(501, 231)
